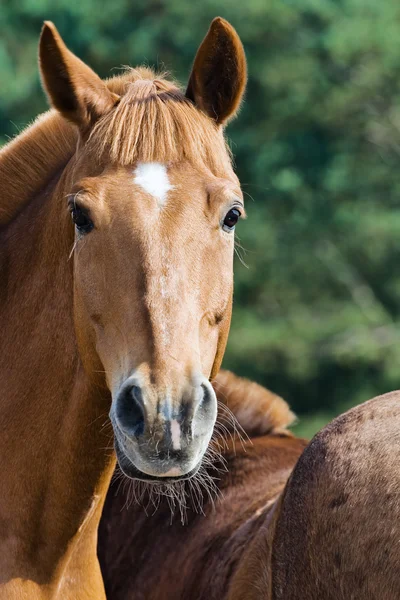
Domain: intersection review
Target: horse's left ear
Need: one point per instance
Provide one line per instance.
(72, 87)
(219, 73)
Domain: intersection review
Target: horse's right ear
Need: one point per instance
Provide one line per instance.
(72, 87)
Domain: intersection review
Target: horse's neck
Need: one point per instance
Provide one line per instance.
(54, 467)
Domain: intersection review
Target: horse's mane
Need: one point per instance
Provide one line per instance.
(153, 121)
(258, 410)
(30, 160)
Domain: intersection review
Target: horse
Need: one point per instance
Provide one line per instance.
(293, 521)
(117, 216)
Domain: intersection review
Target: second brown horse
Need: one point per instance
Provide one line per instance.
(292, 521)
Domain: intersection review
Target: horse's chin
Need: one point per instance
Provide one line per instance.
(132, 472)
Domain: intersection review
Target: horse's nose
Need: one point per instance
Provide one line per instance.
(169, 425)
(160, 436)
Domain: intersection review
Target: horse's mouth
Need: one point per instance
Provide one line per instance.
(130, 470)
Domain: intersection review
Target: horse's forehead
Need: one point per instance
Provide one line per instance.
(160, 179)
(148, 185)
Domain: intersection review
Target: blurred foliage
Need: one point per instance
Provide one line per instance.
(317, 150)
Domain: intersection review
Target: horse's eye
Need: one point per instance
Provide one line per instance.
(81, 219)
(231, 218)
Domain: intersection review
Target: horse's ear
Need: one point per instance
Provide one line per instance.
(219, 72)
(72, 87)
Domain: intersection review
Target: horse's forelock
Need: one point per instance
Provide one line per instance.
(154, 121)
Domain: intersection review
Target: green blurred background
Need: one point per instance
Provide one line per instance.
(317, 147)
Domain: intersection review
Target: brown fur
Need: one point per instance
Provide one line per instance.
(258, 410)
(218, 92)
(154, 121)
(328, 532)
(72, 87)
(75, 323)
(145, 554)
(51, 141)
(337, 536)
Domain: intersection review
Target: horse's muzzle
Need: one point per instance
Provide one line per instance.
(160, 439)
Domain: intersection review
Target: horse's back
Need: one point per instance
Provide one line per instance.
(338, 533)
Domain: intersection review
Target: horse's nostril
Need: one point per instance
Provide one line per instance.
(207, 395)
(130, 410)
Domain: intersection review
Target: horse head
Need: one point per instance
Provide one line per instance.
(153, 202)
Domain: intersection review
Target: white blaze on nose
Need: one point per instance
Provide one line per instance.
(176, 434)
(153, 178)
